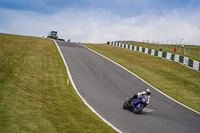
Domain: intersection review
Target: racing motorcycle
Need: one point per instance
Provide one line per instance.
(136, 105)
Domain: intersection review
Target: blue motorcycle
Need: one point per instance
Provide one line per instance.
(136, 105)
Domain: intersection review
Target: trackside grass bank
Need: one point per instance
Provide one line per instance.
(176, 80)
(34, 96)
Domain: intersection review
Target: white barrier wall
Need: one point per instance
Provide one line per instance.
(181, 59)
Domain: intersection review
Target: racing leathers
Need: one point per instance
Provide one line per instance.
(139, 95)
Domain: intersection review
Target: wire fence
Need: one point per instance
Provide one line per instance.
(186, 50)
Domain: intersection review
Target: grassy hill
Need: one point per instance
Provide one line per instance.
(34, 96)
(172, 78)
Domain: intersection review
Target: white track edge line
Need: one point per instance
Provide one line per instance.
(70, 77)
(144, 81)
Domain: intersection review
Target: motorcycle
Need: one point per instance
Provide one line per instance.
(136, 105)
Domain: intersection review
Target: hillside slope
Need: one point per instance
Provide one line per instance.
(34, 96)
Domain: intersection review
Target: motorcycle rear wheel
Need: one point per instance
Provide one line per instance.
(125, 106)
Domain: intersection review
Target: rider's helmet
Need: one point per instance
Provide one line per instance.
(148, 92)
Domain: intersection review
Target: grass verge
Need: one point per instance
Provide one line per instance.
(34, 96)
(176, 80)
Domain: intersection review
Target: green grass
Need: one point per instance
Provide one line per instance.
(172, 78)
(34, 96)
(190, 51)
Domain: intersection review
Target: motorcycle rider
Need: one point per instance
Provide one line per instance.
(147, 94)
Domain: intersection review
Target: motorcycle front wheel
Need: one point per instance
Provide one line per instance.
(138, 108)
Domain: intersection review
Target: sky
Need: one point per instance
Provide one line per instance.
(99, 21)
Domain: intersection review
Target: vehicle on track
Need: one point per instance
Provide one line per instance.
(53, 35)
(136, 105)
(60, 39)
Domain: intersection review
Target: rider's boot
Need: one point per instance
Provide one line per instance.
(128, 100)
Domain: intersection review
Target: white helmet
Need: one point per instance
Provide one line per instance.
(148, 92)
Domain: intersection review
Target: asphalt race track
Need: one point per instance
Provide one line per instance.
(105, 86)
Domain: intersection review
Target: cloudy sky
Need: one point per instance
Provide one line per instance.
(99, 21)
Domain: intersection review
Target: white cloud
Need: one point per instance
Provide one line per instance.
(100, 26)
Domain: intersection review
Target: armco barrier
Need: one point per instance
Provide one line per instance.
(177, 58)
